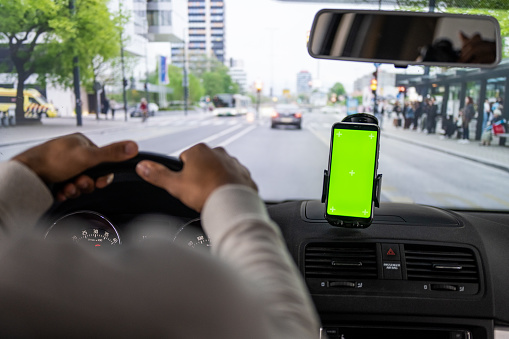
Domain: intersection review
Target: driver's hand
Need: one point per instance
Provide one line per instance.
(204, 170)
(62, 158)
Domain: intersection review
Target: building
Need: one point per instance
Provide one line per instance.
(206, 35)
(153, 25)
(239, 76)
(152, 28)
(304, 83)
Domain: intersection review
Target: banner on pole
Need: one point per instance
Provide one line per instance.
(163, 71)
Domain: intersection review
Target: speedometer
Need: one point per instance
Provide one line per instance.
(88, 227)
(193, 235)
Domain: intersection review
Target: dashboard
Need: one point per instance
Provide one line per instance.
(416, 272)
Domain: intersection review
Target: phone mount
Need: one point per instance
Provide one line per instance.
(364, 118)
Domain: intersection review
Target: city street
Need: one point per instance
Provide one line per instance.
(288, 163)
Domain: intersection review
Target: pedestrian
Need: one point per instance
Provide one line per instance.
(144, 109)
(417, 113)
(397, 110)
(431, 120)
(409, 114)
(497, 125)
(467, 116)
(424, 114)
(487, 115)
(495, 105)
(449, 127)
(105, 104)
(113, 106)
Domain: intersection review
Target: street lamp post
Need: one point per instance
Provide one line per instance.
(259, 87)
(76, 76)
(122, 62)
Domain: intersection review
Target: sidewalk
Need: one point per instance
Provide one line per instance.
(494, 155)
(54, 127)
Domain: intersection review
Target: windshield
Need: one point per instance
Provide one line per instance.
(223, 100)
(218, 70)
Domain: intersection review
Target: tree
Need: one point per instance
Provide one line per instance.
(219, 81)
(43, 37)
(464, 4)
(337, 89)
(196, 90)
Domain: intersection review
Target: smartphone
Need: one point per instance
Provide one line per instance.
(353, 163)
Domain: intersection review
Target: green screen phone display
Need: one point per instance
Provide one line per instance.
(352, 172)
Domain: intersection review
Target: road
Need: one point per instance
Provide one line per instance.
(288, 163)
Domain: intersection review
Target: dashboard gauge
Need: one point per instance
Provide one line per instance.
(85, 227)
(193, 235)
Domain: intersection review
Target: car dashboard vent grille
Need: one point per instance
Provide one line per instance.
(441, 263)
(341, 261)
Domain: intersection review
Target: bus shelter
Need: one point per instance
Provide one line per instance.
(451, 87)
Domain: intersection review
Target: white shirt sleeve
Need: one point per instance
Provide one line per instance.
(243, 236)
(23, 197)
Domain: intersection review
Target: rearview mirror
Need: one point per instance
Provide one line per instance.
(406, 38)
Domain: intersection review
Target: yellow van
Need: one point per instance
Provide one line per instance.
(34, 103)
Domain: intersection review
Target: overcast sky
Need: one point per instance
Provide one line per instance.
(270, 38)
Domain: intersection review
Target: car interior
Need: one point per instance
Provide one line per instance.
(418, 271)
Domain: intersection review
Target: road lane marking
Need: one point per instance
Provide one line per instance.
(206, 140)
(322, 139)
(447, 199)
(497, 199)
(236, 136)
(395, 198)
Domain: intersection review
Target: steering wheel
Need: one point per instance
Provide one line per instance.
(127, 193)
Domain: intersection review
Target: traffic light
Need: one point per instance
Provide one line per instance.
(402, 89)
(125, 82)
(374, 84)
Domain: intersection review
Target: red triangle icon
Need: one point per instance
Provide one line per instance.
(391, 252)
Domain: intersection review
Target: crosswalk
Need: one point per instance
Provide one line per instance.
(309, 123)
(201, 122)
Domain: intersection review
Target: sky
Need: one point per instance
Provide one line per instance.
(269, 37)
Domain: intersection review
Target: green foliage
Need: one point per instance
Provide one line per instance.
(96, 41)
(44, 36)
(219, 81)
(338, 89)
(176, 75)
(458, 4)
(196, 90)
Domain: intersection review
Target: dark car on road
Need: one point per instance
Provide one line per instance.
(287, 114)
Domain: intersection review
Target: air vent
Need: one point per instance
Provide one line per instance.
(441, 263)
(341, 261)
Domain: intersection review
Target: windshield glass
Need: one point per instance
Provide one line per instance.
(223, 100)
(215, 71)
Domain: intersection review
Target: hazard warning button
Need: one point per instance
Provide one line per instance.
(390, 252)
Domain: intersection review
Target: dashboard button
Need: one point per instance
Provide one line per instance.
(390, 252)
